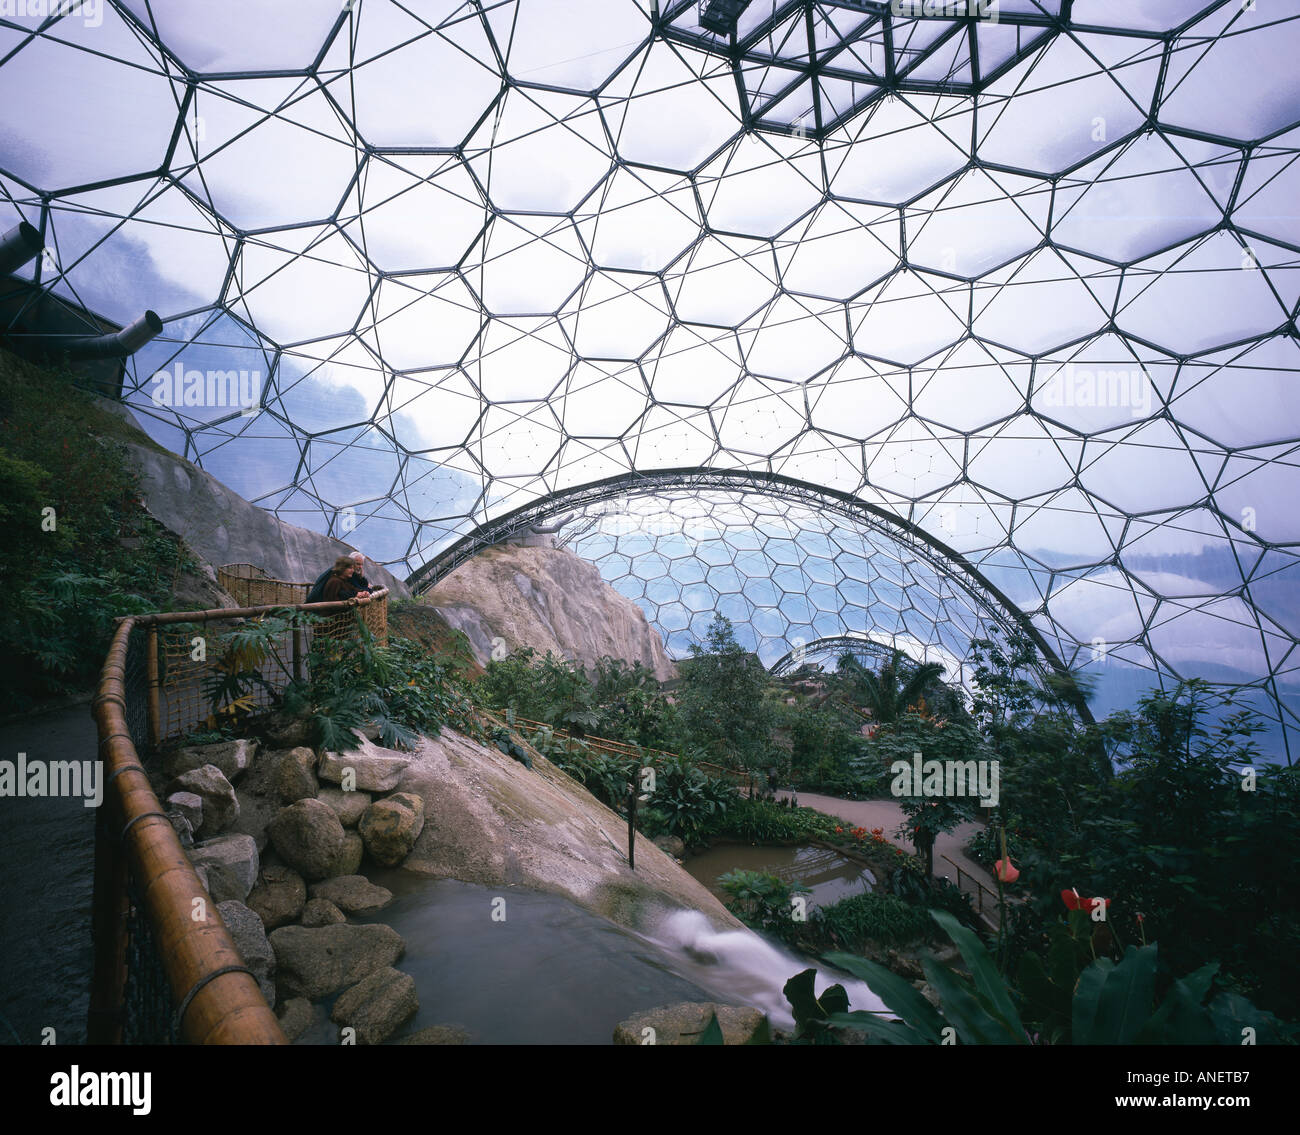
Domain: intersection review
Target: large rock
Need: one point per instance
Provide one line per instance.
(321, 912)
(294, 774)
(231, 864)
(438, 1034)
(279, 896)
(308, 836)
(391, 826)
(348, 805)
(232, 757)
(349, 858)
(315, 962)
(547, 599)
(220, 804)
(188, 805)
(354, 894)
(286, 730)
(373, 769)
(685, 1023)
(296, 1017)
(377, 1006)
(250, 939)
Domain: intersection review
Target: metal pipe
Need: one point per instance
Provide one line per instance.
(18, 246)
(116, 344)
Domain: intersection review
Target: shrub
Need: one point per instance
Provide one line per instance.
(854, 922)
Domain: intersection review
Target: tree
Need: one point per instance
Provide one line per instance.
(889, 693)
(723, 699)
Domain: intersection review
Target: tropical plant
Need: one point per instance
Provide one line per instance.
(764, 901)
(892, 690)
(725, 710)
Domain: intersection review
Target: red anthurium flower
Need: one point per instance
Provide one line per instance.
(1074, 901)
(1006, 871)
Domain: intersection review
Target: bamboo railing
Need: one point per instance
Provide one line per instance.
(143, 877)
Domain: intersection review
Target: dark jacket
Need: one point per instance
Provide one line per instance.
(337, 588)
(357, 582)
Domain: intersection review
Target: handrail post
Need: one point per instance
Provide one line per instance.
(152, 687)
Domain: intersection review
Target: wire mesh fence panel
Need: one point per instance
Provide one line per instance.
(250, 586)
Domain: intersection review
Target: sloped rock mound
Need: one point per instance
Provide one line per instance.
(490, 820)
(550, 600)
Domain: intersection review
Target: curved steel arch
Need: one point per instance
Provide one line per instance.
(947, 562)
(840, 644)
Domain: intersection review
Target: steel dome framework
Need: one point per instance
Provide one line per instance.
(1024, 280)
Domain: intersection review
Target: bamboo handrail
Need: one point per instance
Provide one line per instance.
(223, 1007)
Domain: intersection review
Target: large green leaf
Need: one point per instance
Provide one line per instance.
(974, 1023)
(712, 1033)
(992, 988)
(878, 1028)
(1182, 1018)
(1087, 996)
(1124, 1002)
(902, 998)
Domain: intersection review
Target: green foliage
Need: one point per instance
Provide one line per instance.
(854, 922)
(891, 691)
(812, 1014)
(725, 710)
(1109, 1004)
(621, 702)
(1158, 822)
(104, 557)
(763, 901)
(763, 821)
(685, 801)
(357, 683)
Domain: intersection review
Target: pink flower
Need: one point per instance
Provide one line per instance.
(1006, 871)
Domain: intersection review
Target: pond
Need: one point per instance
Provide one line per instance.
(829, 875)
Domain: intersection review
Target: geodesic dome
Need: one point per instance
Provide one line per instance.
(1013, 283)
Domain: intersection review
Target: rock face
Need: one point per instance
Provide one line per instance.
(231, 864)
(685, 1023)
(391, 826)
(220, 804)
(372, 769)
(490, 820)
(308, 836)
(548, 599)
(315, 962)
(279, 897)
(438, 1034)
(377, 1006)
(223, 528)
(250, 939)
(353, 894)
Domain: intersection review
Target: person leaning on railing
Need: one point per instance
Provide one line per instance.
(358, 581)
(341, 585)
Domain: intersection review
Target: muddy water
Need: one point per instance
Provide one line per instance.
(830, 875)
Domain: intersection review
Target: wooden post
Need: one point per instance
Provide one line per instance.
(297, 653)
(631, 817)
(109, 912)
(152, 687)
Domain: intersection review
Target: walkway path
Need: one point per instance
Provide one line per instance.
(887, 815)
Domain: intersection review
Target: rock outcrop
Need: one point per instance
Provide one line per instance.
(686, 1022)
(377, 1006)
(548, 599)
(221, 527)
(315, 962)
(490, 820)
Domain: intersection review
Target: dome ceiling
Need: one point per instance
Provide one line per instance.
(1024, 279)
